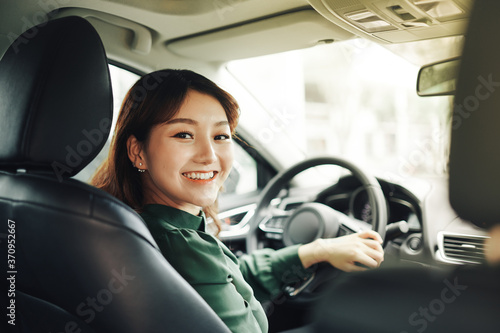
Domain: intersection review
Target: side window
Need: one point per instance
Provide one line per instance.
(121, 81)
(251, 172)
(243, 176)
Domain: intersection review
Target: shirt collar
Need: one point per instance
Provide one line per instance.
(176, 217)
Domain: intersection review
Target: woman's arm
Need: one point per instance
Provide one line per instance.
(267, 270)
(354, 252)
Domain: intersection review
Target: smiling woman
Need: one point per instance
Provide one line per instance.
(171, 153)
(150, 110)
(202, 146)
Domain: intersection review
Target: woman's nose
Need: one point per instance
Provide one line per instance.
(205, 152)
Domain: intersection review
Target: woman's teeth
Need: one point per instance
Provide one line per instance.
(199, 175)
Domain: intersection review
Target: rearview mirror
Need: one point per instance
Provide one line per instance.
(439, 78)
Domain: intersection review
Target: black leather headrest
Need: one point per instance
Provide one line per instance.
(55, 98)
(475, 140)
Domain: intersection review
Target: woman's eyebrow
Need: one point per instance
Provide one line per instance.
(222, 123)
(194, 122)
(182, 120)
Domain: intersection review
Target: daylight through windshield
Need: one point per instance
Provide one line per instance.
(352, 99)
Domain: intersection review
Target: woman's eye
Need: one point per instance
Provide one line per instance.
(183, 135)
(222, 137)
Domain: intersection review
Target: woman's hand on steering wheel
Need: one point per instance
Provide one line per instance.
(316, 225)
(355, 252)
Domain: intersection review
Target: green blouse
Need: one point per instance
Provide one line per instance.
(228, 284)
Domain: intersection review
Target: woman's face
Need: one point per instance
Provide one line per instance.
(188, 158)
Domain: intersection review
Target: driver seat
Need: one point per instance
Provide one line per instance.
(81, 261)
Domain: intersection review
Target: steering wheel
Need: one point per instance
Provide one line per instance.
(314, 220)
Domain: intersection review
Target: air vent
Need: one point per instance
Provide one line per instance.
(463, 248)
(236, 216)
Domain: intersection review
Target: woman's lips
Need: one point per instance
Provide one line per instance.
(200, 177)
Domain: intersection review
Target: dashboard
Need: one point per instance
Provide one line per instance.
(434, 234)
(349, 197)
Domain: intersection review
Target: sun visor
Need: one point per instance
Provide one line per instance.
(281, 33)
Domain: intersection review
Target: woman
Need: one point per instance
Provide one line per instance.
(172, 150)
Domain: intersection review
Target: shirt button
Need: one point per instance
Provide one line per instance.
(229, 278)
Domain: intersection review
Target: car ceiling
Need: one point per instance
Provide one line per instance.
(154, 34)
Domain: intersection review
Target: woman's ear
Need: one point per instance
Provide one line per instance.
(136, 153)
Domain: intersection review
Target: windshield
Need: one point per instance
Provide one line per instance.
(352, 99)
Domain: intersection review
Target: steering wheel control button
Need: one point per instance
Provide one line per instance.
(273, 227)
(276, 222)
(271, 235)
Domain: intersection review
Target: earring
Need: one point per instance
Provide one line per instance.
(140, 170)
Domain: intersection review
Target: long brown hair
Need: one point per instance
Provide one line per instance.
(154, 99)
